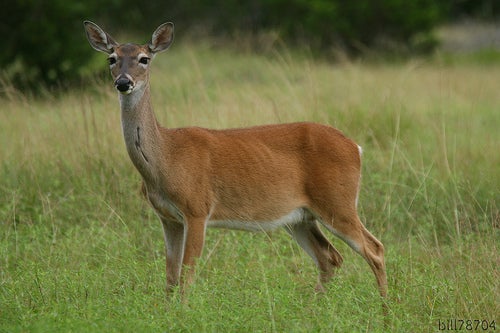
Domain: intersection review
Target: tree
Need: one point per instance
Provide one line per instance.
(41, 40)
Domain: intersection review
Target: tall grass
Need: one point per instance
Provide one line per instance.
(81, 251)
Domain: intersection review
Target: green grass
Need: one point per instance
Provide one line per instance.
(81, 251)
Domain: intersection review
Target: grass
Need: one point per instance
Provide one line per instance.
(81, 251)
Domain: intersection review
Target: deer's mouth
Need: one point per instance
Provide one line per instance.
(124, 85)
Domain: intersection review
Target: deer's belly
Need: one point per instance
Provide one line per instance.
(296, 216)
(168, 209)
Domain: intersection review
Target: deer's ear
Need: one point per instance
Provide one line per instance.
(99, 39)
(162, 38)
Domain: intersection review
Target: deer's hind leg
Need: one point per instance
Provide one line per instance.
(318, 247)
(336, 207)
(349, 228)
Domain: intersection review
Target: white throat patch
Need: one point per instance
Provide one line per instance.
(130, 100)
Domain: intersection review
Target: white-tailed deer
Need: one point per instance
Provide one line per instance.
(259, 178)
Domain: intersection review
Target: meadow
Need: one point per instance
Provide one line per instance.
(80, 250)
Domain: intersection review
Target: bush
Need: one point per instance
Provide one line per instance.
(321, 23)
(42, 41)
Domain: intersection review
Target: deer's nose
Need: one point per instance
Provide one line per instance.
(123, 84)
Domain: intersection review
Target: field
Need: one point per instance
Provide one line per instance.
(80, 251)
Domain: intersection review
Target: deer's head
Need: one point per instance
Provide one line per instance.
(129, 63)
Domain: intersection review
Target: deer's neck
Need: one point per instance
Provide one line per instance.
(141, 132)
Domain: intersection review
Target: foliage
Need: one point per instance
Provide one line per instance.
(41, 40)
(43, 43)
(480, 9)
(349, 23)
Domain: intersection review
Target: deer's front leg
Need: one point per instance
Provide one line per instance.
(174, 246)
(194, 235)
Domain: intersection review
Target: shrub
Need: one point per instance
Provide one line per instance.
(39, 41)
(43, 41)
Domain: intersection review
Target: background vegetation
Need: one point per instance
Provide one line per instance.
(81, 251)
(38, 37)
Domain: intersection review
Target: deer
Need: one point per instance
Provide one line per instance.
(297, 176)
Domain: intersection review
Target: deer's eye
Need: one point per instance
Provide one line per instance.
(111, 61)
(144, 60)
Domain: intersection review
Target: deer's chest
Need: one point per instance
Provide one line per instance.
(164, 206)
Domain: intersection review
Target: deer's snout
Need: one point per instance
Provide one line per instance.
(123, 84)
